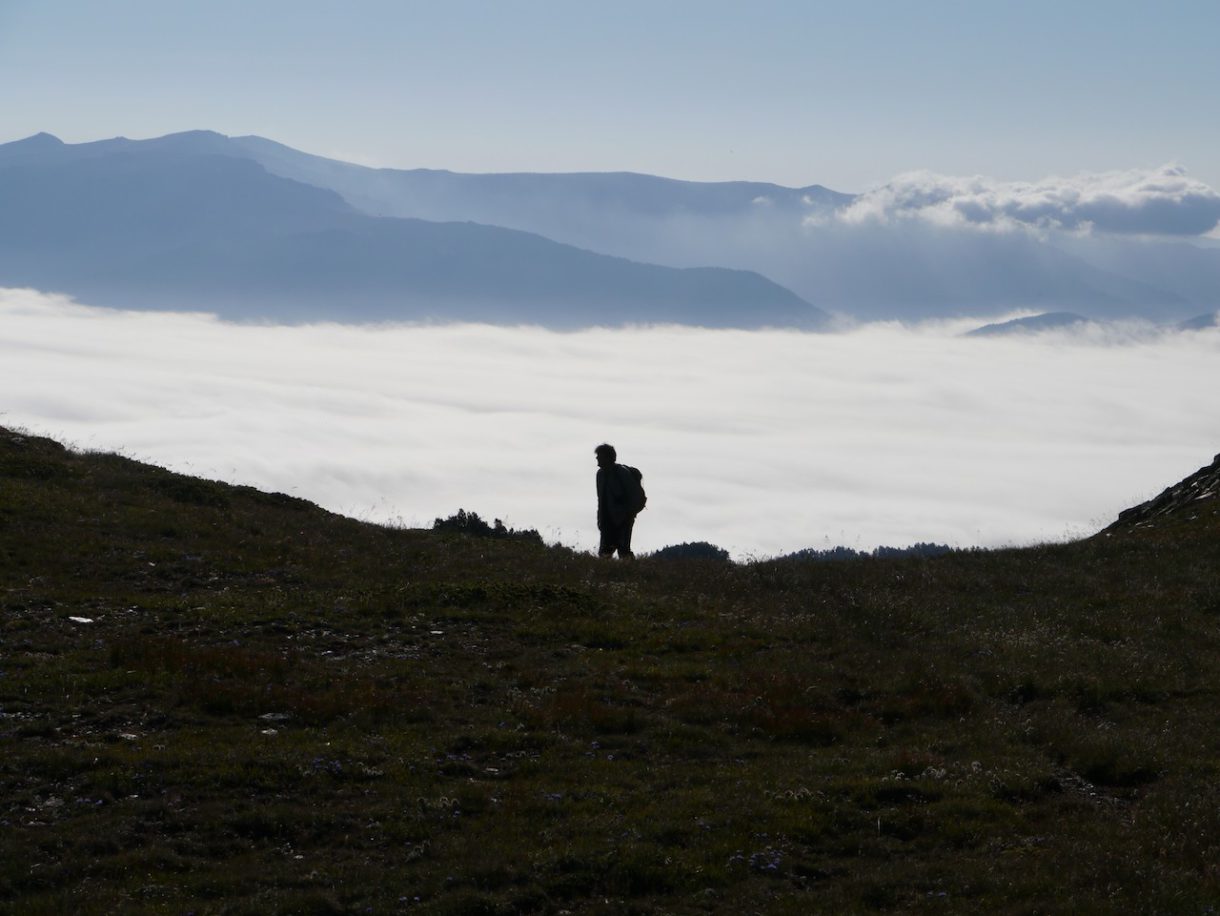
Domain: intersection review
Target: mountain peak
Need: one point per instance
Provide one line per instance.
(200, 141)
(40, 140)
(190, 135)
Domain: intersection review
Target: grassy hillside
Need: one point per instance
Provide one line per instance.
(262, 707)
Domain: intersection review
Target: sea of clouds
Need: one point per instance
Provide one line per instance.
(760, 442)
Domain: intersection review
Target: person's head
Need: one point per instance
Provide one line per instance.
(606, 455)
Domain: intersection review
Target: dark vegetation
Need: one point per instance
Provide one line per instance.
(463, 522)
(921, 549)
(216, 700)
(695, 550)
(702, 550)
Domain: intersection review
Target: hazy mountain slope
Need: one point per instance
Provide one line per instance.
(531, 198)
(787, 234)
(902, 269)
(1189, 270)
(169, 223)
(1029, 325)
(395, 269)
(920, 271)
(139, 201)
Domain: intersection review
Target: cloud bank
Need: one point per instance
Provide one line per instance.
(1163, 201)
(761, 442)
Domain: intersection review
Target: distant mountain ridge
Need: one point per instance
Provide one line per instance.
(787, 234)
(1029, 325)
(179, 222)
(800, 259)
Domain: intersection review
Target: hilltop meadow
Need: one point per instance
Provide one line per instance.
(219, 700)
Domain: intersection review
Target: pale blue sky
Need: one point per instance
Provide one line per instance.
(841, 94)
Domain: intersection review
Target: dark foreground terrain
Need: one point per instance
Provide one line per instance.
(215, 700)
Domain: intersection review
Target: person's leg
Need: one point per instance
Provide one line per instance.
(609, 541)
(624, 539)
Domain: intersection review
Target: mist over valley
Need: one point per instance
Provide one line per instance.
(762, 442)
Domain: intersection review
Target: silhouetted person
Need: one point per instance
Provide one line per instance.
(620, 497)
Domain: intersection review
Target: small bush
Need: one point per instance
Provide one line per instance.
(469, 523)
(696, 550)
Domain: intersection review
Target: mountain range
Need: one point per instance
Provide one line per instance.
(250, 228)
(180, 223)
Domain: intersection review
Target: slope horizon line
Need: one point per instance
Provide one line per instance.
(43, 136)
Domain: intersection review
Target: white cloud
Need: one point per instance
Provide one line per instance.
(761, 442)
(1163, 201)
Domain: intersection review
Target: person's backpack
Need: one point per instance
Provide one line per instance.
(636, 497)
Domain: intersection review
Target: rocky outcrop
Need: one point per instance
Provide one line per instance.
(1200, 489)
